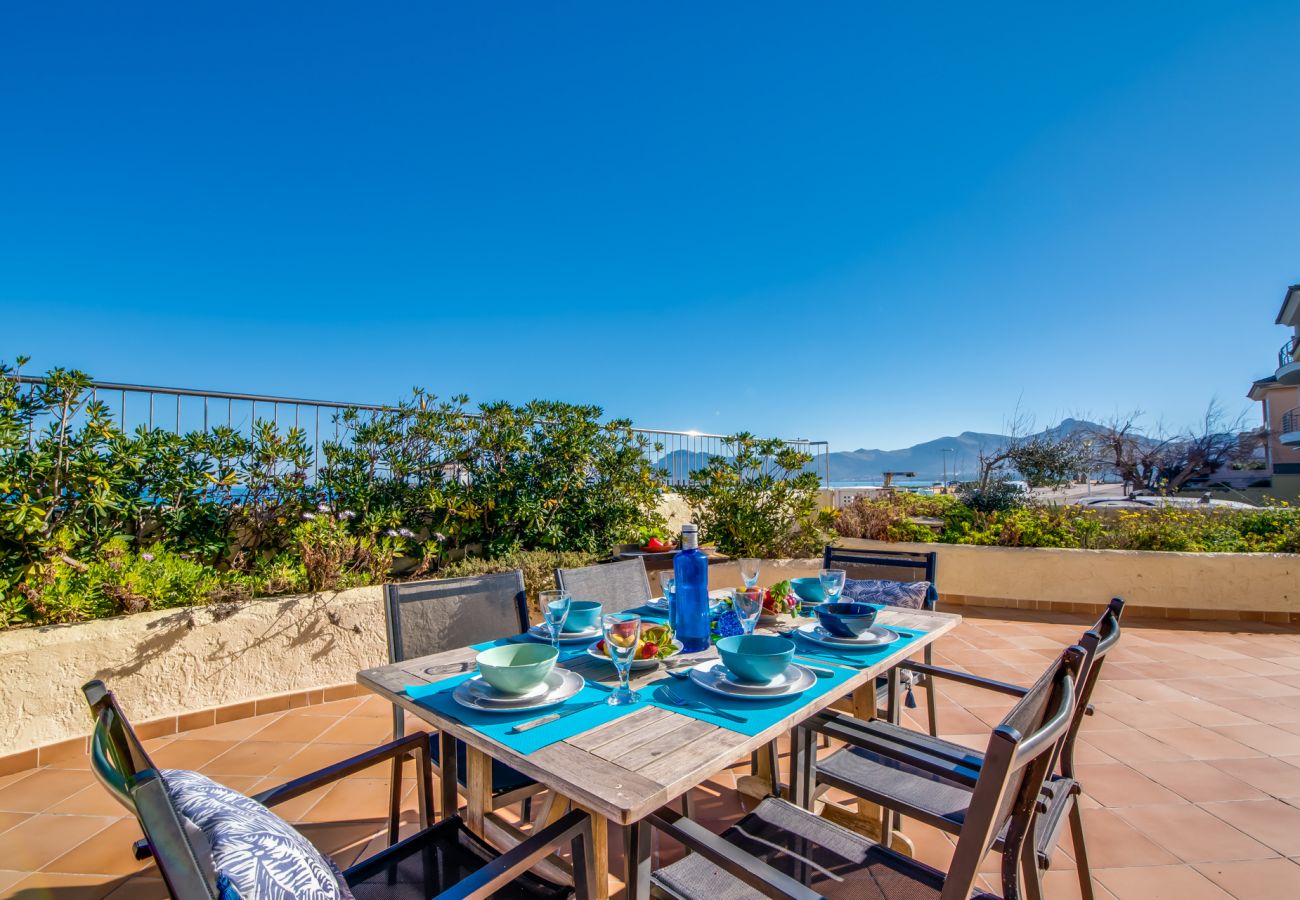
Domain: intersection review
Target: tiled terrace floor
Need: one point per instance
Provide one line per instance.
(1191, 767)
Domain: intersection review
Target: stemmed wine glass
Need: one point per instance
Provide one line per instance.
(622, 636)
(749, 569)
(667, 584)
(748, 604)
(832, 581)
(555, 609)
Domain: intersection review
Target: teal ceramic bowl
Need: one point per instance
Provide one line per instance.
(517, 668)
(755, 657)
(809, 590)
(583, 615)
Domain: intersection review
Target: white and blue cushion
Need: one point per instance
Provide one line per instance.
(256, 853)
(907, 594)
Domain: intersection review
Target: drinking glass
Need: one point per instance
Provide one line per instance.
(832, 583)
(667, 584)
(749, 606)
(555, 609)
(749, 569)
(622, 636)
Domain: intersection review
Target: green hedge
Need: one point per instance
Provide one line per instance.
(893, 518)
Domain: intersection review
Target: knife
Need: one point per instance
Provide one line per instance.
(819, 671)
(546, 720)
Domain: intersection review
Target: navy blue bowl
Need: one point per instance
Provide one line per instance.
(846, 620)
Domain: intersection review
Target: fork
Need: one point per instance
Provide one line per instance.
(677, 700)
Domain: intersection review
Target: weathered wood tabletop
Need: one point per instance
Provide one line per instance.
(626, 768)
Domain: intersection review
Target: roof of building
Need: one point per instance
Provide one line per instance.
(1289, 314)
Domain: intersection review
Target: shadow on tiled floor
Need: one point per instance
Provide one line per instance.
(1191, 769)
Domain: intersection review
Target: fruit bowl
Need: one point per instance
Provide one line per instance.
(597, 651)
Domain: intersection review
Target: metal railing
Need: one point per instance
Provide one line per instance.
(1291, 421)
(180, 410)
(1287, 354)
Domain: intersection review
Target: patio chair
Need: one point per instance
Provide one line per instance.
(189, 822)
(782, 850)
(924, 777)
(618, 585)
(894, 565)
(427, 617)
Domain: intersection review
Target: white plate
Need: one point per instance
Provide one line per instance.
(714, 676)
(638, 665)
(559, 686)
(876, 636)
(539, 633)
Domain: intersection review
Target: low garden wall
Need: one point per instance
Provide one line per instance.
(1262, 587)
(180, 669)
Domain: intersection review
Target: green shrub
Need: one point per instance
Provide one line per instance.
(538, 567)
(759, 501)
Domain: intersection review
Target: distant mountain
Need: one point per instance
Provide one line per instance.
(927, 459)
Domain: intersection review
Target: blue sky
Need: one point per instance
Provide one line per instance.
(844, 221)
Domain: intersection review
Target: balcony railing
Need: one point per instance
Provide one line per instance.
(1287, 354)
(677, 453)
(1291, 421)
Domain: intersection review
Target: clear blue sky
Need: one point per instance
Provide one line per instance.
(843, 221)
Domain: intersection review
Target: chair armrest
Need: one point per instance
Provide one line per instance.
(523, 856)
(1001, 687)
(917, 753)
(727, 856)
(412, 745)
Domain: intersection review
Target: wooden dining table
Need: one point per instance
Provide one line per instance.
(628, 767)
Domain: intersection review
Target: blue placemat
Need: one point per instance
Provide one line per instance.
(756, 714)
(582, 712)
(858, 659)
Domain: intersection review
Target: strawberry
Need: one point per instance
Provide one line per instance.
(649, 650)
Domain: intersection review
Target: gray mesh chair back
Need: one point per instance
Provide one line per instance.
(1006, 794)
(425, 617)
(886, 565)
(617, 585)
(1096, 643)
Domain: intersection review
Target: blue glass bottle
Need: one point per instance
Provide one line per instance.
(691, 599)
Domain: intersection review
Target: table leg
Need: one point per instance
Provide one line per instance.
(636, 854)
(478, 788)
(448, 796)
(600, 854)
(765, 779)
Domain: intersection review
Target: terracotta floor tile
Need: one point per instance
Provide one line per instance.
(1203, 712)
(1132, 747)
(1112, 841)
(94, 800)
(1192, 834)
(8, 878)
(190, 754)
(1271, 822)
(372, 730)
(1264, 738)
(64, 887)
(33, 843)
(1260, 879)
(1118, 785)
(249, 758)
(1160, 883)
(106, 853)
(315, 757)
(42, 790)
(1198, 742)
(10, 819)
(1274, 776)
(1198, 781)
(236, 730)
(295, 728)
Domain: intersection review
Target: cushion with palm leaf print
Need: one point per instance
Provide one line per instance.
(256, 853)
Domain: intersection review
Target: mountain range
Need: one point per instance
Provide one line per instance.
(928, 459)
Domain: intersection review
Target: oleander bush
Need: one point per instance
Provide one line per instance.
(95, 521)
(947, 519)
